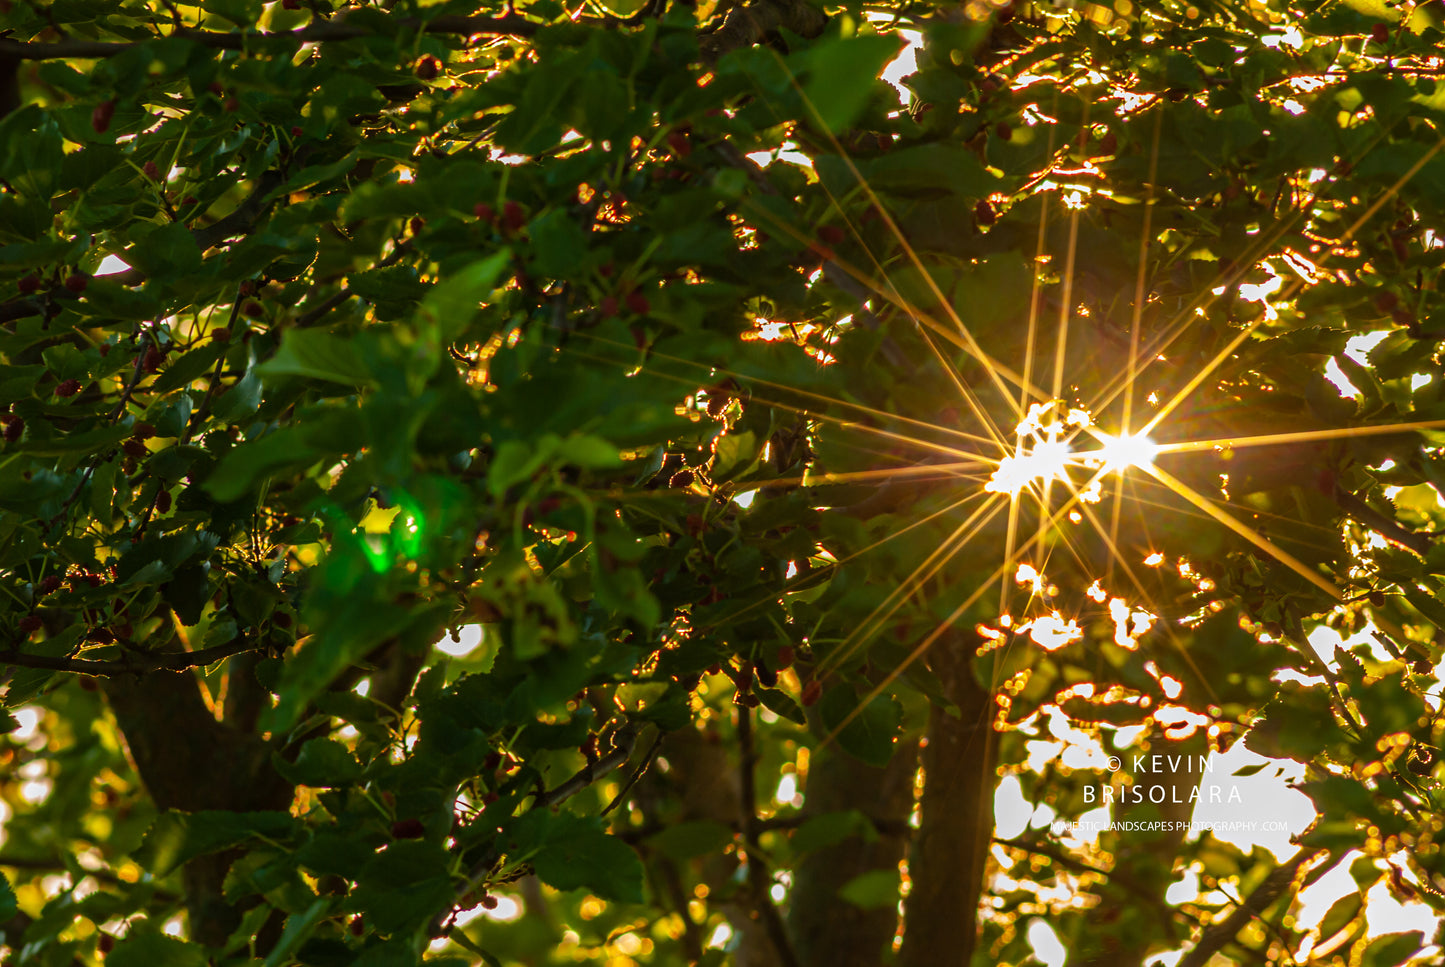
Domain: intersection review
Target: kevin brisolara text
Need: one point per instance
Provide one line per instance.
(1140, 793)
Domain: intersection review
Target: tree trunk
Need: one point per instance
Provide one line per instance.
(704, 777)
(828, 931)
(950, 849)
(191, 762)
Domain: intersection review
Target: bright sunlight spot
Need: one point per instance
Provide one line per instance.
(1119, 453)
(469, 637)
(1047, 948)
(1047, 461)
(1011, 811)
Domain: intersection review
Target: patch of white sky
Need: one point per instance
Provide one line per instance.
(469, 638)
(1265, 795)
(1358, 350)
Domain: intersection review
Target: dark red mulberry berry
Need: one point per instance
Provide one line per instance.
(514, 216)
(408, 829)
(101, 116)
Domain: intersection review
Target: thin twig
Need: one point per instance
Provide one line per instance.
(632, 780)
(623, 743)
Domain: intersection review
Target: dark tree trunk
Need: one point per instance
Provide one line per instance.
(704, 777)
(828, 931)
(950, 849)
(189, 761)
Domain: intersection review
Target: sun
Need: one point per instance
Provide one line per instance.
(1123, 452)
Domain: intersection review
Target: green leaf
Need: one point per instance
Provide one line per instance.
(559, 243)
(843, 73)
(298, 926)
(314, 354)
(403, 886)
(572, 853)
(168, 251)
(872, 890)
(341, 640)
(292, 447)
(1341, 913)
(337, 853)
(782, 703)
(176, 837)
(926, 169)
(830, 829)
(323, 762)
(1392, 949)
(392, 290)
(687, 840)
(513, 462)
(9, 904)
(451, 305)
(871, 734)
(145, 946)
(735, 455)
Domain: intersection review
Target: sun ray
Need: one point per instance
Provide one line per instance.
(931, 565)
(969, 397)
(922, 647)
(1136, 322)
(950, 370)
(1135, 481)
(1299, 436)
(1010, 539)
(1248, 533)
(991, 366)
(959, 336)
(1166, 626)
(943, 471)
(1182, 320)
(714, 372)
(1293, 287)
(796, 584)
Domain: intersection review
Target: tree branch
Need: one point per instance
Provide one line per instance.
(1387, 526)
(333, 30)
(42, 864)
(623, 742)
(140, 664)
(747, 24)
(1273, 887)
(1062, 857)
(238, 222)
